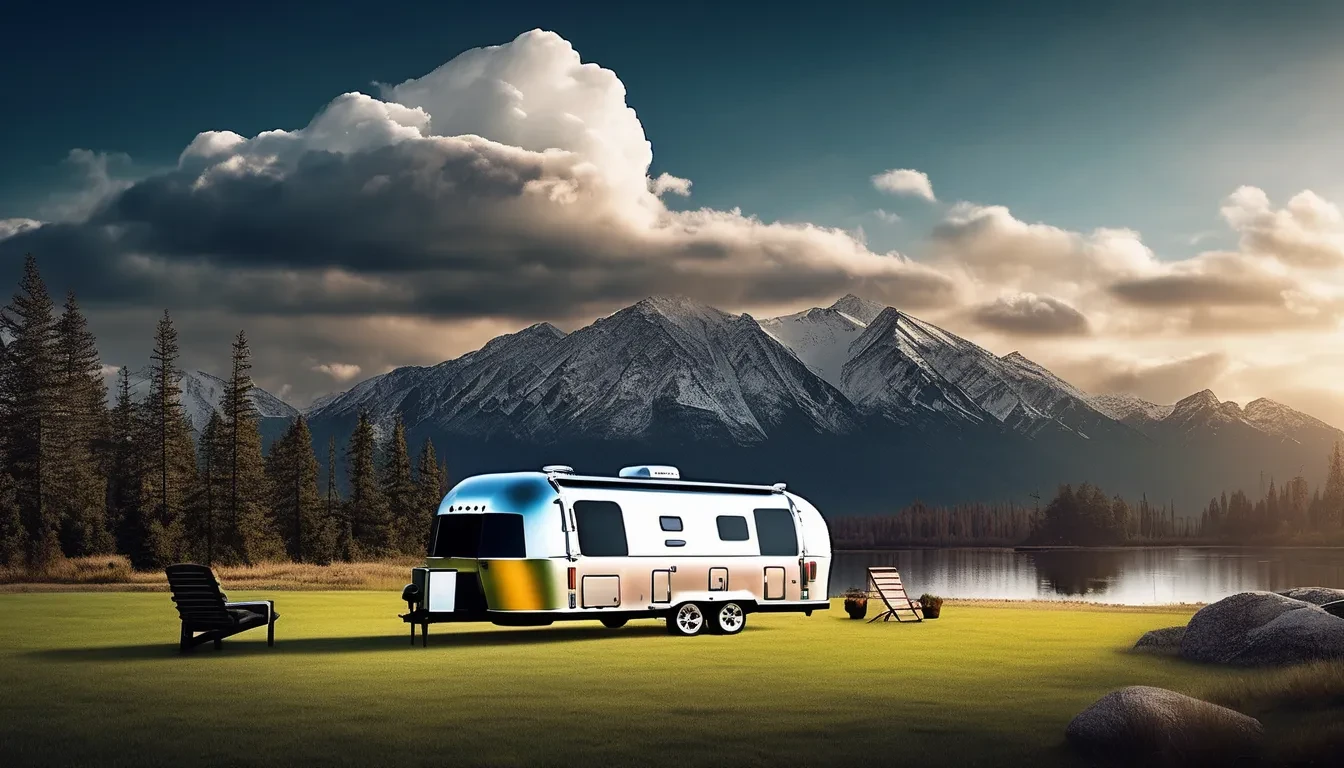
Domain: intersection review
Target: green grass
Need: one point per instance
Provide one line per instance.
(95, 679)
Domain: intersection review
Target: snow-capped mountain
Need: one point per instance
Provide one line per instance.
(1281, 421)
(479, 386)
(899, 367)
(202, 393)
(1131, 410)
(819, 337)
(821, 396)
(665, 366)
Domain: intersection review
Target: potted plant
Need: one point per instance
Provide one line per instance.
(932, 605)
(856, 603)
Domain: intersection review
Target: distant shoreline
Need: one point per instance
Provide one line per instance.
(1061, 548)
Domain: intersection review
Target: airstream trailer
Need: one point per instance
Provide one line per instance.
(532, 548)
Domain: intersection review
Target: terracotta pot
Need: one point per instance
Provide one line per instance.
(856, 607)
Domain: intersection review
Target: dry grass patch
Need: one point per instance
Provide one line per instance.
(1302, 708)
(1305, 687)
(114, 572)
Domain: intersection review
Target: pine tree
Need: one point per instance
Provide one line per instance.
(79, 484)
(292, 471)
(251, 536)
(428, 482)
(170, 460)
(125, 468)
(366, 508)
(13, 536)
(1333, 499)
(401, 494)
(205, 528)
(28, 398)
(336, 520)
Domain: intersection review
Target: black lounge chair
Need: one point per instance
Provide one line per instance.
(205, 609)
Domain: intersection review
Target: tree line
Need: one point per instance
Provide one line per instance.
(1085, 515)
(78, 477)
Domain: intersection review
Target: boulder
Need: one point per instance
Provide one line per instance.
(1158, 726)
(1262, 628)
(1166, 640)
(1314, 595)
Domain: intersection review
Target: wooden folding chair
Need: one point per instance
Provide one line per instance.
(886, 582)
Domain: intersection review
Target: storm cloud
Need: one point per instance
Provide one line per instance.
(511, 182)
(1032, 315)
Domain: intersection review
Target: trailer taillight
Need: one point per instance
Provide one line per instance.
(571, 578)
(812, 571)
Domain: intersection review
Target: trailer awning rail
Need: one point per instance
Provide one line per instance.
(653, 484)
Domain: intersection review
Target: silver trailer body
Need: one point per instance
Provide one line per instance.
(537, 547)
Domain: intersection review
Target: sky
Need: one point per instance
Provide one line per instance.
(1143, 198)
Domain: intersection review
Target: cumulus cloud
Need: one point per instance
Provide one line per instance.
(1029, 314)
(512, 184)
(511, 181)
(992, 244)
(666, 183)
(1307, 232)
(339, 371)
(905, 181)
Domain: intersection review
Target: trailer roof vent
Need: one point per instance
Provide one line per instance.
(651, 470)
(557, 469)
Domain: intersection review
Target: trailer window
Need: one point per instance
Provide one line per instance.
(601, 529)
(733, 528)
(502, 535)
(775, 531)
(459, 536)
(670, 523)
(493, 534)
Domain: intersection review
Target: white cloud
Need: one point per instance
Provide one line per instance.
(512, 180)
(338, 371)
(1307, 232)
(11, 227)
(666, 183)
(905, 181)
(512, 184)
(993, 245)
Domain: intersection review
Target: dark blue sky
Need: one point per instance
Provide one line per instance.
(1142, 116)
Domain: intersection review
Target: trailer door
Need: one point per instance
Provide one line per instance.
(662, 586)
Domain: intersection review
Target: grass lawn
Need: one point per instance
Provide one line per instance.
(95, 679)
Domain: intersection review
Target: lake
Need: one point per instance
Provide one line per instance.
(1128, 575)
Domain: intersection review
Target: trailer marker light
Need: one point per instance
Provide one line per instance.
(571, 579)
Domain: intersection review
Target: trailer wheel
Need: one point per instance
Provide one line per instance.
(687, 620)
(613, 622)
(729, 619)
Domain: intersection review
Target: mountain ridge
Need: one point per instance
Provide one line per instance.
(818, 394)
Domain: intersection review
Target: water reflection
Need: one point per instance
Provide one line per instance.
(1131, 575)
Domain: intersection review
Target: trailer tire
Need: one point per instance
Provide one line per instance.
(613, 622)
(687, 620)
(729, 619)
